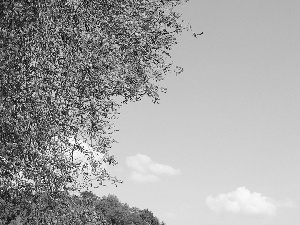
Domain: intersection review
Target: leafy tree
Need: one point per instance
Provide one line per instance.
(64, 65)
(117, 213)
(148, 217)
(76, 210)
(112, 209)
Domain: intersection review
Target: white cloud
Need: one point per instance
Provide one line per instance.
(90, 163)
(143, 178)
(85, 155)
(163, 169)
(242, 201)
(88, 154)
(145, 170)
(139, 162)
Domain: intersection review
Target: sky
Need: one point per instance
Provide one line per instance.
(222, 147)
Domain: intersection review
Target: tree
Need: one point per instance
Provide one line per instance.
(117, 213)
(148, 217)
(113, 210)
(64, 66)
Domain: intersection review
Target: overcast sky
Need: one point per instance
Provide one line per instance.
(222, 147)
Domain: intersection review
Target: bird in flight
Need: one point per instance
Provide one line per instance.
(196, 35)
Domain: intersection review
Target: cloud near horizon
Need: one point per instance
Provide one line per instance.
(79, 156)
(145, 170)
(242, 201)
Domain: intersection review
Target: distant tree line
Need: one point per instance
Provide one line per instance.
(85, 209)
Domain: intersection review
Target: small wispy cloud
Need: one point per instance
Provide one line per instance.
(243, 201)
(143, 178)
(145, 170)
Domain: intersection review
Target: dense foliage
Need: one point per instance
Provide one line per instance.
(119, 213)
(64, 65)
(87, 209)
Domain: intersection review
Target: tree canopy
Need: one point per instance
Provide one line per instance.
(88, 209)
(64, 66)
